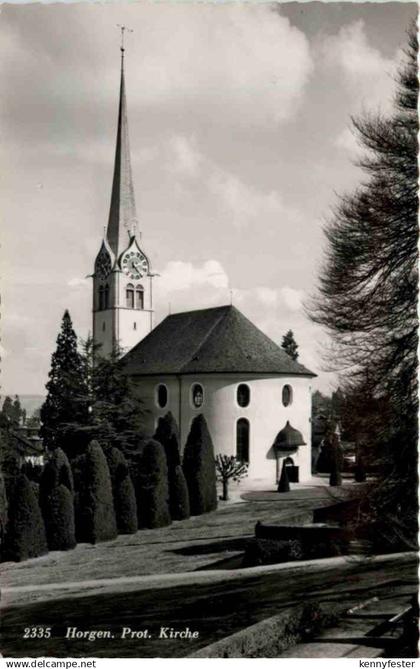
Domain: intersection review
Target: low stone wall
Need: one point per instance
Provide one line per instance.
(306, 534)
(272, 636)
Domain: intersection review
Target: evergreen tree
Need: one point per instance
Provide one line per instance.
(115, 411)
(7, 412)
(3, 513)
(167, 434)
(200, 468)
(57, 506)
(283, 485)
(94, 504)
(123, 492)
(367, 297)
(65, 409)
(25, 532)
(153, 509)
(289, 345)
(180, 503)
(17, 412)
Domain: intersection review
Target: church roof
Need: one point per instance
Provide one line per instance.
(122, 223)
(217, 340)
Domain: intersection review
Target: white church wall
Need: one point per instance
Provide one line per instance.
(265, 413)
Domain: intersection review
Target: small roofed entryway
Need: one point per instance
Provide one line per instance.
(286, 444)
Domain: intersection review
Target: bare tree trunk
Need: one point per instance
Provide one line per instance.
(225, 495)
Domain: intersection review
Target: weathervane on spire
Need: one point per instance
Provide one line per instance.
(123, 29)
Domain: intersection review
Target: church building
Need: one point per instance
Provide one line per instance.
(256, 399)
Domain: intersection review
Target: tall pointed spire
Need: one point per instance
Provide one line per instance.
(122, 223)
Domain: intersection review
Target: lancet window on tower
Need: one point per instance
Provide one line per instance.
(106, 297)
(129, 296)
(139, 297)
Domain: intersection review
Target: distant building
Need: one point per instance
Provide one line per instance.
(255, 398)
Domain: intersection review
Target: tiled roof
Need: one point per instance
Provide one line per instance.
(214, 340)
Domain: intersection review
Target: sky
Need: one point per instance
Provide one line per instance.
(239, 120)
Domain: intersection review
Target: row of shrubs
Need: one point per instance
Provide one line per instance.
(101, 493)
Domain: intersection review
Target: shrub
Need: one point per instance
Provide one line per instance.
(269, 551)
(57, 505)
(25, 533)
(167, 434)
(153, 493)
(123, 492)
(65, 475)
(95, 516)
(199, 468)
(180, 509)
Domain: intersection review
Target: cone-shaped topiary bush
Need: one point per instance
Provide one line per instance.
(167, 434)
(94, 504)
(200, 468)
(65, 475)
(25, 532)
(283, 485)
(180, 501)
(153, 494)
(123, 492)
(57, 506)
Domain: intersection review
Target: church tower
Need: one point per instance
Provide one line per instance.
(122, 278)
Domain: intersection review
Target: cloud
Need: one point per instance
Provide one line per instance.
(243, 202)
(292, 298)
(77, 281)
(363, 69)
(178, 276)
(185, 157)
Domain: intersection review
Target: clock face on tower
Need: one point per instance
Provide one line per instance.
(103, 264)
(134, 264)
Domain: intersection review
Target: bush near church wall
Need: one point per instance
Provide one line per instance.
(200, 468)
(94, 505)
(25, 532)
(153, 490)
(123, 492)
(180, 509)
(167, 434)
(57, 506)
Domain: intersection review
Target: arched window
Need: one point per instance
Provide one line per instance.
(101, 298)
(129, 296)
(287, 395)
(197, 395)
(106, 297)
(242, 440)
(162, 396)
(243, 395)
(139, 297)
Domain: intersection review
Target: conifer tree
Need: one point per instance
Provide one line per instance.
(94, 504)
(116, 412)
(167, 434)
(153, 509)
(123, 492)
(367, 298)
(289, 345)
(25, 533)
(65, 409)
(200, 468)
(57, 506)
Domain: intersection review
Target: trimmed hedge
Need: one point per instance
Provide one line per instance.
(25, 533)
(180, 500)
(65, 474)
(153, 492)
(200, 468)
(123, 492)
(57, 506)
(94, 504)
(167, 434)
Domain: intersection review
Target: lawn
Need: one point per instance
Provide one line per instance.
(184, 546)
